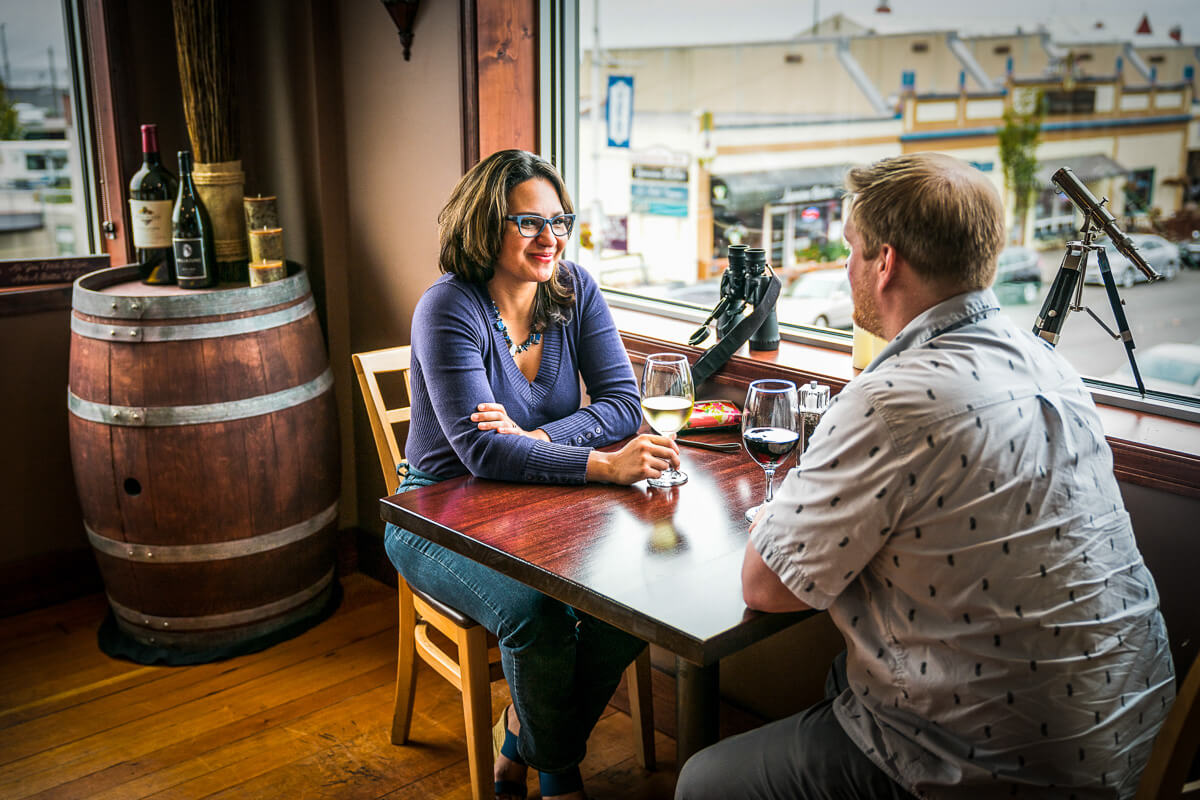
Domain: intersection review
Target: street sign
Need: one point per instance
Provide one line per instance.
(659, 190)
(619, 110)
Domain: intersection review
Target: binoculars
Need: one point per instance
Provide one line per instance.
(745, 283)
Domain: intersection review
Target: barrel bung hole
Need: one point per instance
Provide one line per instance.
(132, 487)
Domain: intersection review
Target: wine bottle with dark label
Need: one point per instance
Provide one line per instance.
(191, 233)
(152, 192)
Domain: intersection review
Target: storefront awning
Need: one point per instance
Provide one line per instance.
(739, 193)
(1087, 168)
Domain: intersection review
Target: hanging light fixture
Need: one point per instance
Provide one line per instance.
(403, 13)
(883, 7)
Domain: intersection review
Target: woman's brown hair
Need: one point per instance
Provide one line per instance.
(471, 227)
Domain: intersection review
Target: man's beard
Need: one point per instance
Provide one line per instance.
(866, 312)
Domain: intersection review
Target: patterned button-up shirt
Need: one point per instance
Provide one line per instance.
(957, 513)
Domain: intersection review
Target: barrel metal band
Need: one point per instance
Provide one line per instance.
(212, 551)
(88, 299)
(225, 620)
(199, 330)
(163, 416)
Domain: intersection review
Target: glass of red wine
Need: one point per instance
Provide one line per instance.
(770, 428)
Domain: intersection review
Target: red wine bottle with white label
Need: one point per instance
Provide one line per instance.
(191, 233)
(152, 192)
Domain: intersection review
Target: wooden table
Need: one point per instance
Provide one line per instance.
(662, 564)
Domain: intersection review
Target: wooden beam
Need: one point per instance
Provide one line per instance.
(507, 75)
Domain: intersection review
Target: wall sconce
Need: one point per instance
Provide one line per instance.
(403, 13)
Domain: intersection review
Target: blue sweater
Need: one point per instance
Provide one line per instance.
(460, 360)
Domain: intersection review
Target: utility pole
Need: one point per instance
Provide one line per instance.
(4, 49)
(53, 77)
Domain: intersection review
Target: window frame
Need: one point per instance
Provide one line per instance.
(561, 141)
(96, 71)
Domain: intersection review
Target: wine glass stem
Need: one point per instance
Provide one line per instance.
(770, 484)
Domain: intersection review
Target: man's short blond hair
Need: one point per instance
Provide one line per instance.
(940, 214)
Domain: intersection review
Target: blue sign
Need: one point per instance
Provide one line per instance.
(664, 200)
(619, 110)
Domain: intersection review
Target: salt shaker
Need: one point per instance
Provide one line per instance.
(814, 399)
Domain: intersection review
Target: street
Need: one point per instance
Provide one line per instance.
(1165, 311)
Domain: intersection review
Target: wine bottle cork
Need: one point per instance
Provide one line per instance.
(261, 212)
(266, 271)
(266, 244)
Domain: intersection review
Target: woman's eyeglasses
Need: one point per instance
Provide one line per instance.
(530, 225)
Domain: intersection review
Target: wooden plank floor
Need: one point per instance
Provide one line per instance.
(307, 718)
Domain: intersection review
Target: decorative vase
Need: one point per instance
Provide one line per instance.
(221, 186)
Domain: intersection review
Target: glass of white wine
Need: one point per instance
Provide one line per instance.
(667, 395)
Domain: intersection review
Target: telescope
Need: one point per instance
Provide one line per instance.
(1093, 209)
(1066, 292)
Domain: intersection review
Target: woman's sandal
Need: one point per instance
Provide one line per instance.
(556, 783)
(504, 743)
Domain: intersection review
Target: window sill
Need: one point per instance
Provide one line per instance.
(29, 300)
(30, 285)
(1148, 449)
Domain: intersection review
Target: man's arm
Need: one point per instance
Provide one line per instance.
(761, 588)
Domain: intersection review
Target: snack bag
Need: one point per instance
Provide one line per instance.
(714, 415)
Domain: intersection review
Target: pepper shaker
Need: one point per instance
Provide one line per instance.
(814, 399)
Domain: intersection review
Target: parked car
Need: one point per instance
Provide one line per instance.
(1155, 250)
(1169, 367)
(818, 298)
(1018, 275)
(1189, 251)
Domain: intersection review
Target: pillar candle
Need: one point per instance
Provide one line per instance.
(261, 212)
(266, 271)
(266, 244)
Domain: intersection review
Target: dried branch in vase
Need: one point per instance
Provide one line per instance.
(202, 40)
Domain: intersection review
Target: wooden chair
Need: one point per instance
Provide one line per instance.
(1176, 745)
(477, 661)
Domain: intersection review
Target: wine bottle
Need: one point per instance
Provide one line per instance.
(151, 193)
(191, 233)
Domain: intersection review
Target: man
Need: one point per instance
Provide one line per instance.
(957, 514)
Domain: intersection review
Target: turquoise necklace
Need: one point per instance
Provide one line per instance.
(513, 349)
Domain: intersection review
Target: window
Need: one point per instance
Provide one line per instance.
(1076, 101)
(45, 208)
(1139, 192)
(699, 129)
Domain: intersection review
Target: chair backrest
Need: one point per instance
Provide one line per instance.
(1176, 744)
(383, 418)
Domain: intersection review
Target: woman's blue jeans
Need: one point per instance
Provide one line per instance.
(562, 665)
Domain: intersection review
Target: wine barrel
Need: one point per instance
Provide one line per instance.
(205, 450)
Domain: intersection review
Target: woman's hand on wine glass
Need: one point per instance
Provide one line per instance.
(493, 417)
(647, 455)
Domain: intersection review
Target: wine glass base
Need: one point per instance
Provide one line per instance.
(751, 513)
(667, 479)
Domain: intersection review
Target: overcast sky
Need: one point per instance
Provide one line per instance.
(647, 22)
(31, 28)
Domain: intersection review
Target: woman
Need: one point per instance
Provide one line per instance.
(499, 345)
